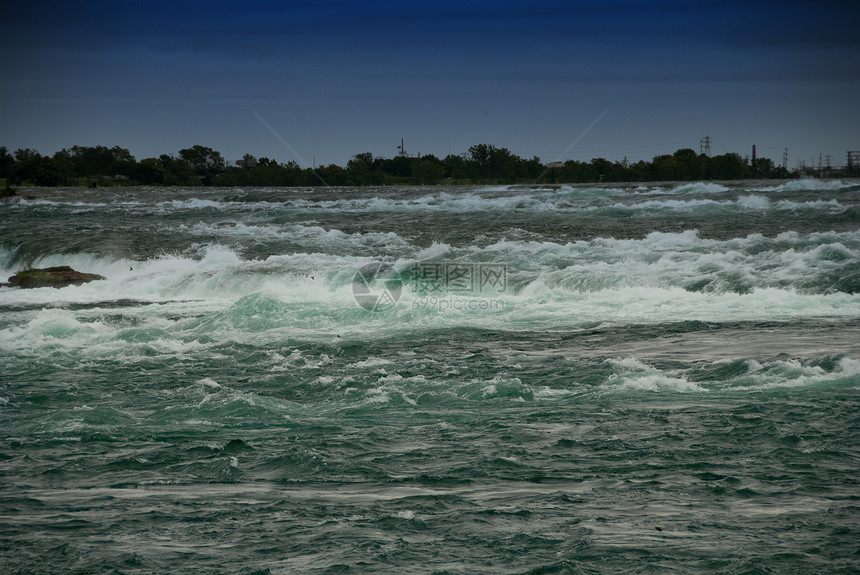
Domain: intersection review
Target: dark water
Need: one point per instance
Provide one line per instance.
(628, 379)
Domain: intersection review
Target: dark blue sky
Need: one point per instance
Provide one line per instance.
(334, 79)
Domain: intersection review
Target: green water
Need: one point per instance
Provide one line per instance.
(658, 379)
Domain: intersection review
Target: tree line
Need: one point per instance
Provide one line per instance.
(482, 164)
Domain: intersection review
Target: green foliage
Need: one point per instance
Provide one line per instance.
(204, 161)
(7, 191)
(483, 163)
(7, 160)
(98, 161)
(361, 170)
(31, 167)
(728, 167)
(428, 170)
(178, 172)
(202, 158)
(497, 164)
(149, 171)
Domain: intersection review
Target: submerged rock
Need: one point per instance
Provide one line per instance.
(59, 276)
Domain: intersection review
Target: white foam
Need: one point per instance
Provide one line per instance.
(550, 393)
(634, 375)
(370, 362)
(191, 204)
(813, 185)
(750, 202)
(754, 202)
(312, 237)
(212, 294)
(699, 188)
(791, 374)
(209, 383)
(53, 329)
(490, 390)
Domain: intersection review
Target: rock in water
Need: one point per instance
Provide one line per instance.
(59, 276)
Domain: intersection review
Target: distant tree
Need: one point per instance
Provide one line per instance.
(497, 164)
(264, 161)
(728, 167)
(505, 166)
(332, 174)
(639, 172)
(202, 158)
(178, 172)
(32, 167)
(360, 170)
(427, 170)
(763, 168)
(149, 171)
(6, 162)
(603, 168)
(206, 162)
(482, 163)
(459, 168)
(398, 167)
(26, 154)
(124, 163)
(65, 166)
(534, 169)
(99, 161)
(480, 156)
(691, 166)
(666, 168)
(574, 171)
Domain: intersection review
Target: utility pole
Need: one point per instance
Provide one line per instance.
(852, 162)
(705, 146)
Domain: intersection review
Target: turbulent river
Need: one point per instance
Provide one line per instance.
(643, 378)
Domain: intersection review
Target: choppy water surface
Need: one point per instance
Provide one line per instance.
(644, 379)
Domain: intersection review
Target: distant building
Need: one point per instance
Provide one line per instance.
(247, 162)
(555, 165)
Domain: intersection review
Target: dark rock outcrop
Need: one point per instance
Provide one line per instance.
(57, 277)
(8, 195)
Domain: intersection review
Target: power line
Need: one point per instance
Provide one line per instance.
(705, 146)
